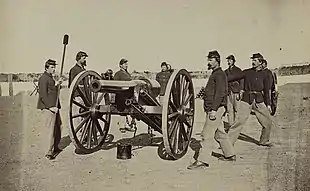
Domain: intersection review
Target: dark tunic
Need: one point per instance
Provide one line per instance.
(47, 92)
(256, 86)
(74, 71)
(216, 91)
(233, 86)
(163, 78)
(122, 75)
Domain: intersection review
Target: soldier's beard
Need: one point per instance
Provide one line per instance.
(84, 63)
(209, 67)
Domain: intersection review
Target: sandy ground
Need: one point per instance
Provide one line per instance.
(283, 167)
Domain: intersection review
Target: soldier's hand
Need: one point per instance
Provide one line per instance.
(54, 109)
(241, 94)
(212, 115)
(238, 97)
(269, 108)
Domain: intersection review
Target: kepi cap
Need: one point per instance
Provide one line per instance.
(164, 64)
(50, 62)
(257, 55)
(80, 54)
(213, 54)
(231, 57)
(123, 61)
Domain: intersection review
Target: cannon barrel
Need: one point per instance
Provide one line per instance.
(95, 86)
(102, 85)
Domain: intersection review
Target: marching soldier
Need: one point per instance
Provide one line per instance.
(255, 93)
(163, 78)
(215, 103)
(234, 88)
(47, 104)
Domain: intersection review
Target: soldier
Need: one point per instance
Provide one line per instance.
(47, 104)
(123, 75)
(163, 78)
(215, 103)
(255, 93)
(79, 66)
(108, 75)
(233, 89)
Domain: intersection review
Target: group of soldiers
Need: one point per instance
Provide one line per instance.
(236, 93)
(48, 94)
(233, 92)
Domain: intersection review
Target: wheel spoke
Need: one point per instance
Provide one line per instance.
(81, 124)
(86, 88)
(187, 99)
(175, 137)
(172, 127)
(89, 134)
(181, 90)
(173, 106)
(100, 98)
(80, 114)
(183, 132)
(95, 133)
(95, 97)
(104, 120)
(174, 114)
(187, 123)
(98, 126)
(83, 96)
(185, 93)
(190, 112)
(84, 131)
(79, 104)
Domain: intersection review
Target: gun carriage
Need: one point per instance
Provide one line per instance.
(92, 103)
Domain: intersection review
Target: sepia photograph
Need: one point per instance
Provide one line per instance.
(149, 95)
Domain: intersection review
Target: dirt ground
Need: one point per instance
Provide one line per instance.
(284, 167)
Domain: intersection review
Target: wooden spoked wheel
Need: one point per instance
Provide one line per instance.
(178, 113)
(88, 127)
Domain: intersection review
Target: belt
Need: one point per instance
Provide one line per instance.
(254, 92)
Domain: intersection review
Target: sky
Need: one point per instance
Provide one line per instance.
(148, 32)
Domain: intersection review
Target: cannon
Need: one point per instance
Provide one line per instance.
(93, 100)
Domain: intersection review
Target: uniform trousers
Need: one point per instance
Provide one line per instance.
(53, 123)
(215, 128)
(262, 114)
(232, 107)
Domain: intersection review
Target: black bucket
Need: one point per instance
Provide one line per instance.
(123, 151)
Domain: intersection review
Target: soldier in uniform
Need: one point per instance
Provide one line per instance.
(79, 66)
(47, 105)
(273, 92)
(255, 97)
(233, 89)
(108, 75)
(215, 103)
(163, 78)
(123, 75)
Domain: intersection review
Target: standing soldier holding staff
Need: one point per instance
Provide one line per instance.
(47, 104)
(215, 103)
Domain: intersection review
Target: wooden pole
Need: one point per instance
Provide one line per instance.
(10, 80)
